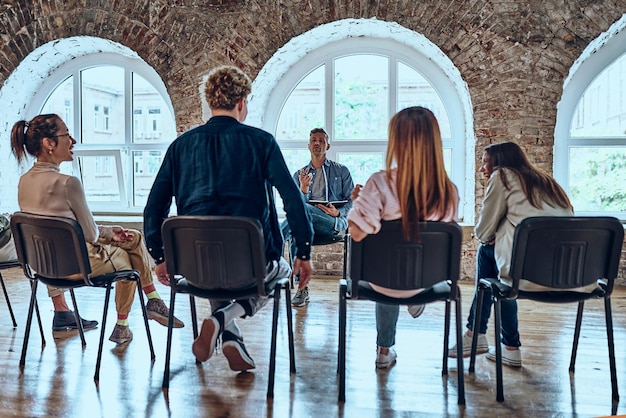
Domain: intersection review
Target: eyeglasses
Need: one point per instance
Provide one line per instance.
(66, 134)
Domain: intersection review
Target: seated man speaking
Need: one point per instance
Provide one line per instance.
(324, 181)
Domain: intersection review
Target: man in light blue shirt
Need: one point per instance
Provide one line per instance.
(321, 180)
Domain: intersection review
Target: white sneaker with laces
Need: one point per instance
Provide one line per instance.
(482, 346)
(511, 358)
(384, 361)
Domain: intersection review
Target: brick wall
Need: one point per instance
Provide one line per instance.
(514, 55)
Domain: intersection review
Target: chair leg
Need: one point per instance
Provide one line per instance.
(168, 347)
(194, 317)
(459, 356)
(6, 297)
(29, 319)
(609, 335)
(145, 319)
(579, 320)
(497, 326)
(270, 382)
(81, 331)
(343, 289)
(292, 349)
(194, 320)
(105, 310)
(43, 339)
(446, 339)
(477, 318)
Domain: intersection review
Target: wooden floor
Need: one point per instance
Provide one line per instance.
(58, 379)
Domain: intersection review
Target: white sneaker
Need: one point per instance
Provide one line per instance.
(384, 361)
(416, 310)
(511, 358)
(482, 346)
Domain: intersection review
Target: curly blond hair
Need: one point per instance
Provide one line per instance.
(226, 86)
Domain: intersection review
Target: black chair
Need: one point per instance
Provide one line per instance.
(221, 257)
(51, 249)
(320, 241)
(11, 264)
(388, 260)
(562, 253)
(3, 266)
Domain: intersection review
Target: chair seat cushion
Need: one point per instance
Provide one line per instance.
(322, 240)
(183, 286)
(504, 291)
(438, 292)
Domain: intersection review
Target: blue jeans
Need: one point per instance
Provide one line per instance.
(386, 320)
(323, 226)
(486, 268)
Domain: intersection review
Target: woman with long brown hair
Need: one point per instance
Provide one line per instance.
(413, 187)
(515, 190)
(44, 190)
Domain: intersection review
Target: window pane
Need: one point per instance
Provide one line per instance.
(447, 161)
(304, 108)
(61, 102)
(361, 164)
(597, 178)
(361, 101)
(415, 90)
(296, 158)
(146, 164)
(152, 119)
(99, 177)
(601, 111)
(102, 96)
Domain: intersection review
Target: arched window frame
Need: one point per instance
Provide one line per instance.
(321, 45)
(131, 65)
(598, 55)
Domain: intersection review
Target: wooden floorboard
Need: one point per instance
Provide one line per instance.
(58, 379)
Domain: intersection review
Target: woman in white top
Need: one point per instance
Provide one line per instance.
(515, 190)
(44, 190)
(413, 187)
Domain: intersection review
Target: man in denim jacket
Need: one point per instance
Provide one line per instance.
(322, 180)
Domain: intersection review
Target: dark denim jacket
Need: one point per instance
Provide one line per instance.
(339, 187)
(227, 168)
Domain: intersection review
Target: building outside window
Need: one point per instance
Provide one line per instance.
(123, 125)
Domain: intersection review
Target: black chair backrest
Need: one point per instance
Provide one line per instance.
(51, 246)
(215, 252)
(566, 252)
(388, 260)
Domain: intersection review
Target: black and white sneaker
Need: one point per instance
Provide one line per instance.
(235, 352)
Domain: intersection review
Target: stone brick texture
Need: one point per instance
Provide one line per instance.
(513, 54)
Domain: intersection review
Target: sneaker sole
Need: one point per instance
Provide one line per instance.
(505, 361)
(237, 358)
(468, 353)
(300, 304)
(204, 346)
(163, 320)
(384, 366)
(121, 341)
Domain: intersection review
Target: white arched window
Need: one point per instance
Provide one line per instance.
(590, 134)
(117, 109)
(350, 77)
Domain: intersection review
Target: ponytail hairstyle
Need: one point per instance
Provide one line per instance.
(26, 137)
